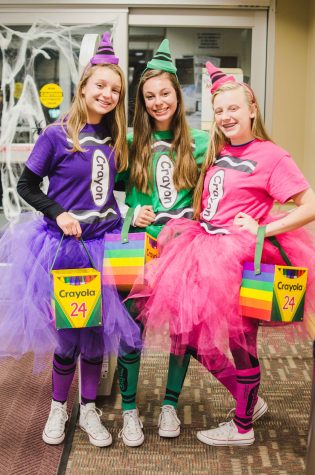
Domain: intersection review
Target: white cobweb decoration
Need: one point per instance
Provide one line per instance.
(23, 115)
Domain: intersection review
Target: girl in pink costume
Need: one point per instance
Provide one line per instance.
(194, 285)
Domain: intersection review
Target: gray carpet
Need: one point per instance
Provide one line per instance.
(24, 407)
(281, 435)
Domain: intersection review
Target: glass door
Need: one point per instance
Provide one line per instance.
(39, 70)
(235, 40)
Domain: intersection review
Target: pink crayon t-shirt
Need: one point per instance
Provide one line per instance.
(249, 178)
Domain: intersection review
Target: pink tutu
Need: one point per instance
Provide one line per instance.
(191, 292)
(27, 250)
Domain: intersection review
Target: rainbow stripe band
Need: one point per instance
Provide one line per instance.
(124, 262)
(132, 244)
(277, 293)
(117, 238)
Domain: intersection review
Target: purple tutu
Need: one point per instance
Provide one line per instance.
(191, 295)
(27, 250)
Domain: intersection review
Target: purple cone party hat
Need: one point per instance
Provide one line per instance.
(162, 60)
(217, 76)
(105, 52)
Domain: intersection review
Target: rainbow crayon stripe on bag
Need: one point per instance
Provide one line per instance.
(126, 254)
(276, 294)
(272, 292)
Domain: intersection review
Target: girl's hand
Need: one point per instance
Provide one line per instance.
(145, 216)
(246, 222)
(69, 225)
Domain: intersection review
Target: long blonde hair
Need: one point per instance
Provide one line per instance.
(76, 118)
(218, 139)
(185, 169)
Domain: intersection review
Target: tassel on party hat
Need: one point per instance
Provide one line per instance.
(162, 60)
(105, 51)
(217, 76)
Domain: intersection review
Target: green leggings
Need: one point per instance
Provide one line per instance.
(129, 367)
(128, 370)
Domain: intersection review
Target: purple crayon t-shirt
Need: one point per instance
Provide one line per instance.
(81, 182)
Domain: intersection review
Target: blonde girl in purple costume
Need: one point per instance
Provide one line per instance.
(80, 155)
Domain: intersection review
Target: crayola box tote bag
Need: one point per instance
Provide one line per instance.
(272, 292)
(126, 254)
(76, 295)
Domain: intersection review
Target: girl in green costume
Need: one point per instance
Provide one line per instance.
(164, 156)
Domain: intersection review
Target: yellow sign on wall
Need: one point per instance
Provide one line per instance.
(51, 95)
(18, 87)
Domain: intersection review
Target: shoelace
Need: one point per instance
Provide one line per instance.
(231, 413)
(57, 418)
(93, 420)
(132, 423)
(226, 425)
(168, 414)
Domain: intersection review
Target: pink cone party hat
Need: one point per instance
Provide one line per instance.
(217, 77)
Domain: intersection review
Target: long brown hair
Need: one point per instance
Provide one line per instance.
(218, 139)
(185, 169)
(76, 118)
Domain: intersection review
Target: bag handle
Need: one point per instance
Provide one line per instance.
(126, 225)
(259, 248)
(85, 248)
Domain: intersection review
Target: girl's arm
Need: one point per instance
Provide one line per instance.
(144, 216)
(303, 214)
(28, 188)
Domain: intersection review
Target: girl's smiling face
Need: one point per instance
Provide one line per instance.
(233, 115)
(101, 93)
(160, 101)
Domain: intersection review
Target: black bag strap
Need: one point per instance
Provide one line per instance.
(85, 248)
(259, 248)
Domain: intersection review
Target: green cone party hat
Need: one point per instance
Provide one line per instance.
(162, 60)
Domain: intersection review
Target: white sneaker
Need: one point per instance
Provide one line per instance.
(54, 430)
(91, 423)
(226, 434)
(132, 433)
(261, 407)
(169, 424)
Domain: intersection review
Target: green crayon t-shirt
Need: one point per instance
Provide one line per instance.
(165, 200)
